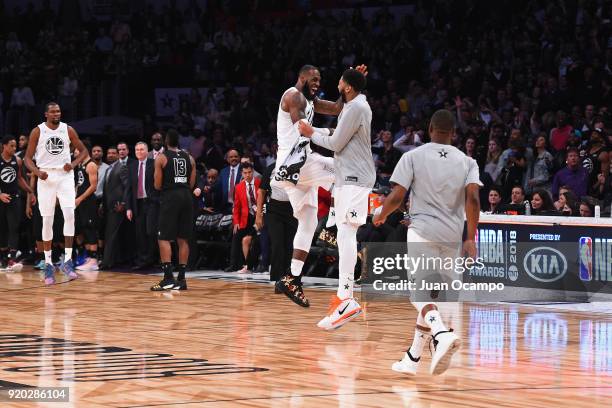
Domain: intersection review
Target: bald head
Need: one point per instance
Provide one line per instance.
(442, 126)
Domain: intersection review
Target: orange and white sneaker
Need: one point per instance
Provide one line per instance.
(90, 265)
(14, 266)
(339, 313)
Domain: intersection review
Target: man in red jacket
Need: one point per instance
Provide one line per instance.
(245, 207)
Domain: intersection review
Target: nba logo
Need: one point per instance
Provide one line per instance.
(585, 258)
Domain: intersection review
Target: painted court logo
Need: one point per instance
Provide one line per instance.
(54, 145)
(8, 175)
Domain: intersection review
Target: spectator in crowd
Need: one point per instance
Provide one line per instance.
(96, 155)
(560, 135)
(542, 204)
(408, 140)
(493, 154)
(595, 159)
(387, 157)
(567, 204)
(495, 198)
(210, 193)
(22, 145)
(539, 171)
(574, 176)
(586, 209)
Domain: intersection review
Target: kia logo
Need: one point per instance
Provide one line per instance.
(545, 264)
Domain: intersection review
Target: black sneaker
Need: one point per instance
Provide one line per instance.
(164, 284)
(291, 286)
(180, 284)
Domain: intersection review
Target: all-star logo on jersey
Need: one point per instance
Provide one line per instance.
(8, 175)
(54, 145)
(81, 179)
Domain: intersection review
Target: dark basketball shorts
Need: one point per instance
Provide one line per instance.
(175, 214)
(87, 221)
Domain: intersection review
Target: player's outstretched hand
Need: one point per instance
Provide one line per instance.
(5, 198)
(42, 175)
(67, 167)
(362, 68)
(469, 249)
(305, 129)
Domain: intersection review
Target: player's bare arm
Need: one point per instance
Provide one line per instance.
(472, 213)
(158, 177)
(296, 105)
(29, 154)
(21, 181)
(192, 176)
(77, 144)
(392, 203)
(326, 107)
(261, 198)
(92, 174)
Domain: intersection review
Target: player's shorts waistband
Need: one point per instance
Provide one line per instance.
(55, 169)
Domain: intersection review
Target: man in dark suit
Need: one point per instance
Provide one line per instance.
(113, 207)
(141, 200)
(210, 192)
(157, 144)
(230, 176)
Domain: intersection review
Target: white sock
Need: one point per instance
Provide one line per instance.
(48, 257)
(434, 321)
(67, 254)
(347, 257)
(296, 267)
(418, 343)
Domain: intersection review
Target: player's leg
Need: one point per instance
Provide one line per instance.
(3, 235)
(184, 234)
(168, 230)
(351, 212)
(67, 197)
(89, 230)
(14, 214)
(47, 196)
(304, 203)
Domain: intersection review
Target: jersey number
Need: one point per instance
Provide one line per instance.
(180, 167)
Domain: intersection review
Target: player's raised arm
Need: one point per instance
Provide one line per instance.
(327, 107)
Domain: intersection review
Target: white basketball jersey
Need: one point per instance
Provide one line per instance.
(286, 133)
(53, 149)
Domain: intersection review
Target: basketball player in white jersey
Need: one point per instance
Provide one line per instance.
(443, 184)
(50, 142)
(308, 171)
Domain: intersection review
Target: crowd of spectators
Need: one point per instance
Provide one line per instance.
(529, 81)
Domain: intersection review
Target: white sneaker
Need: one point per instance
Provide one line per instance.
(244, 269)
(406, 365)
(89, 265)
(339, 313)
(446, 343)
(14, 266)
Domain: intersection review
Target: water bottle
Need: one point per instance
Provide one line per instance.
(527, 207)
(597, 211)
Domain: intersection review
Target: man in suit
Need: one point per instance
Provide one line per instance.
(230, 176)
(157, 145)
(141, 198)
(245, 207)
(113, 207)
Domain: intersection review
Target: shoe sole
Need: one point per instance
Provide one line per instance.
(163, 288)
(444, 362)
(397, 370)
(345, 320)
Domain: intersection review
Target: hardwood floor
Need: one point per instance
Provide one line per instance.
(116, 344)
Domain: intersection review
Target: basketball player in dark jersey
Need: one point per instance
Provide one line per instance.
(86, 181)
(175, 176)
(596, 159)
(11, 208)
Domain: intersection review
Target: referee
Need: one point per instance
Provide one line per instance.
(274, 203)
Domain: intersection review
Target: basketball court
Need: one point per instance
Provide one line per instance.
(230, 341)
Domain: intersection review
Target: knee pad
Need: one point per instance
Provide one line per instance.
(68, 222)
(47, 228)
(307, 224)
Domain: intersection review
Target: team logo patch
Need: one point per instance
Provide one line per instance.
(54, 145)
(81, 179)
(8, 175)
